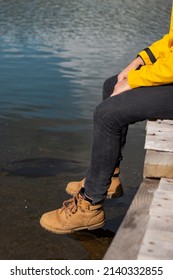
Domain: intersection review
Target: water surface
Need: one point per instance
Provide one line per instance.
(54, 57)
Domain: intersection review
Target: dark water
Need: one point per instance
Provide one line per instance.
(54, 57)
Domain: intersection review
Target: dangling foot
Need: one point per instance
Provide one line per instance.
(75, 214)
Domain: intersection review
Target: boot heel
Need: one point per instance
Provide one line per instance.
(97, 226)
(118, 193)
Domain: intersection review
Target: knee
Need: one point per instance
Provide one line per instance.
(98, 114)
(105, 119)
(108, 86)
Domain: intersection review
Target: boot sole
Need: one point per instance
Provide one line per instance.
(99, 225)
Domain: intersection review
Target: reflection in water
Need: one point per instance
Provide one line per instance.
(95, 242)
(40, 167)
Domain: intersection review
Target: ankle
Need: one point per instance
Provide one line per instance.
(85, 196)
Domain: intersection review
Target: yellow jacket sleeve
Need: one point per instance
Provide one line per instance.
(161, 72)
(157, 50)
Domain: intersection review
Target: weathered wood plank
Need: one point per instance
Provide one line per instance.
(158, 239)
(159, 135)
(157, 245)
(161, 222)
(127, 241)
(158, 164)
(166, 185)
(159, 142)
(159, 206)
(163, 195)
(163, 125)
(162, 203)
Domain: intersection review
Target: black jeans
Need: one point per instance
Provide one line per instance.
(110, 122)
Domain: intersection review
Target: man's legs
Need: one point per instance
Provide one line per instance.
(110, 117)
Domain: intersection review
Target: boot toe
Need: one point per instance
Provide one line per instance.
(49, 220)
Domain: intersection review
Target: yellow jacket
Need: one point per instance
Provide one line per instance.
(158, 59)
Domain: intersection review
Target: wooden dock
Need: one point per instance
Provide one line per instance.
(147, 229)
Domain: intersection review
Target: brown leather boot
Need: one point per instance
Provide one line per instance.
(115, 189)
(75, 214)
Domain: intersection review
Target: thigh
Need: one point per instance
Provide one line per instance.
(137, 105)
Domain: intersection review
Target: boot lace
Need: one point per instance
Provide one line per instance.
(70, 206)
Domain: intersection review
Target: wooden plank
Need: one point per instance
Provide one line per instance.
(127, 241)
(158, 164)
(161, 222)
(158, 239)
(162, 203)
(159, 142)
(159, 206)
(163, 195)
(159, 135)
(157, 245)
(166, 185)
(163, 125)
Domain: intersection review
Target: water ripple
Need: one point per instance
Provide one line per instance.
(58, 53)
